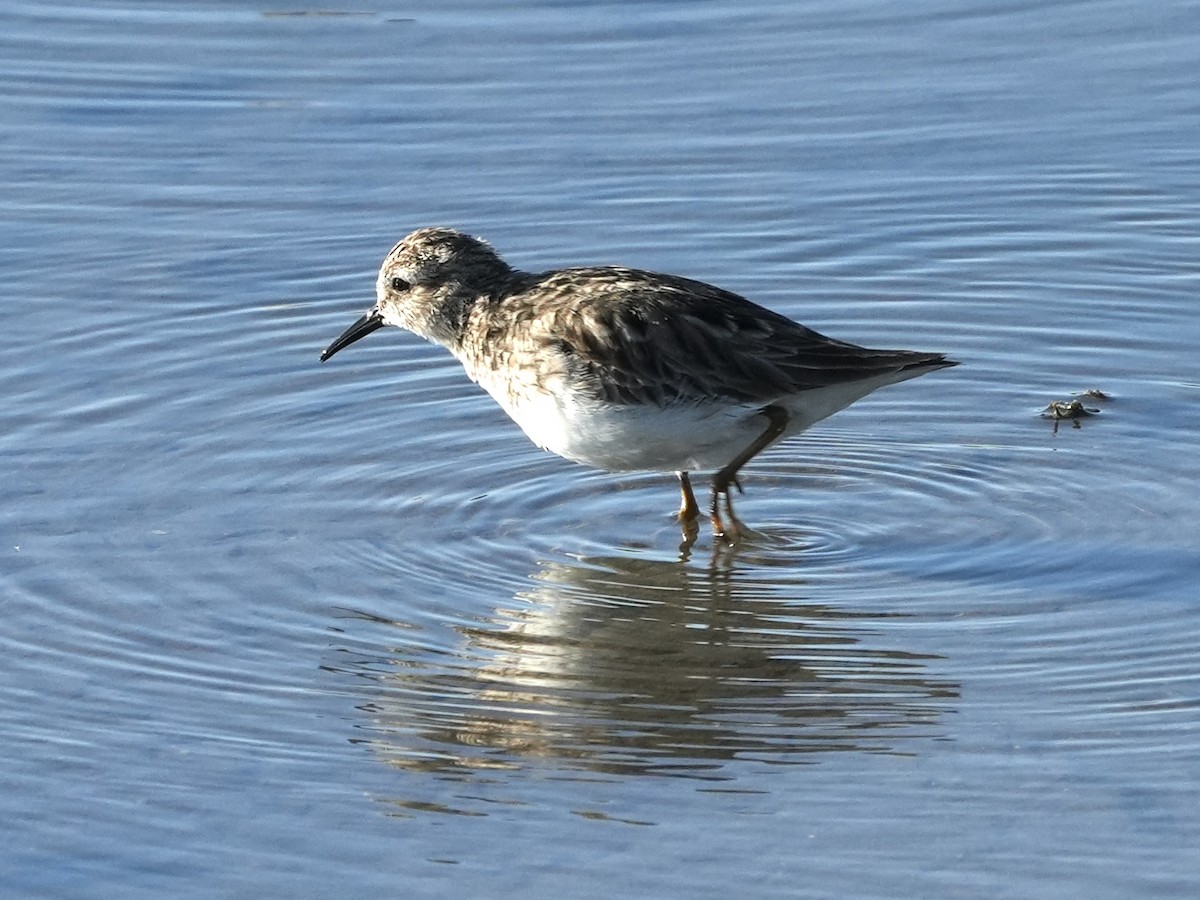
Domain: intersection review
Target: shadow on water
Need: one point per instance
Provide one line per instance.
(626, 666)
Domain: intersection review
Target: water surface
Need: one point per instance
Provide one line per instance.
(285, 629)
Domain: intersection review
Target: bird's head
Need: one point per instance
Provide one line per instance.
(426, 284)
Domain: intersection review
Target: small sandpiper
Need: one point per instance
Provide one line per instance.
(623, 369)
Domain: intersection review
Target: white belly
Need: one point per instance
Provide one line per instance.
(682, 437)
(620, 437)
(626, 438)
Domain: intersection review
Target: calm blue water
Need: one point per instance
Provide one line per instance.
(273, 628)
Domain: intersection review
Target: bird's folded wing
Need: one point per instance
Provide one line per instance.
(642, 338)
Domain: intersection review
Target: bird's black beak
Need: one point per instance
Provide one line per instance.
(360, 329)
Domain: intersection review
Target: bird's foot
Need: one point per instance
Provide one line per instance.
(729, 527)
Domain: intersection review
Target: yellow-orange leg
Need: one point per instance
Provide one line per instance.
(777, 420)
(689, 509)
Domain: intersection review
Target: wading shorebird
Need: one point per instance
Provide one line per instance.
(623, 369)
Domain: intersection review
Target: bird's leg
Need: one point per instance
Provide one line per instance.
(688, 516)
(689, 510)
(777, 420)
(730, 527)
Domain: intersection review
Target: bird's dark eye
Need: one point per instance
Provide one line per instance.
(399, 284)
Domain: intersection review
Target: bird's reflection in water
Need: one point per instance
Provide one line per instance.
(626, 665)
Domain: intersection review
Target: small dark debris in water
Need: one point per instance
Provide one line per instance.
(1073, 409)
(1067, 409)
